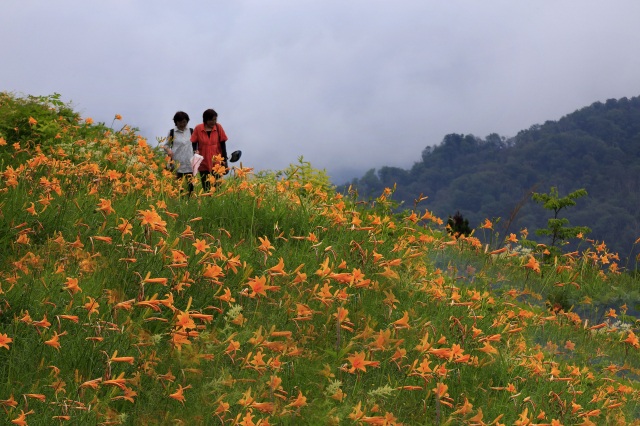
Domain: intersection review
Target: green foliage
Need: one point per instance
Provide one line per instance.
(274, 297)
(558, 228)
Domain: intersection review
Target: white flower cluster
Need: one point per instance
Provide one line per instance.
(616, 327)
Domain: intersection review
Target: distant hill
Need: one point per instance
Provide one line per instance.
(596, 148)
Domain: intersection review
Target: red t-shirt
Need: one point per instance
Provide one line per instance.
(208, 145)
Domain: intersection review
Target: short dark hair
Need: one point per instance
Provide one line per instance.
(180, 115)
(208, 115)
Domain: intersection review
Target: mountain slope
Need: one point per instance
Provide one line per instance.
(596, 148)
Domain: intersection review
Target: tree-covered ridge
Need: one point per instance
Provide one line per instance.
(596, 148)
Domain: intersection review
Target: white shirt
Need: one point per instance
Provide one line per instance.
(181, 148)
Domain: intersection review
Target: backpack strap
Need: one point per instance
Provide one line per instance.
(170, 141)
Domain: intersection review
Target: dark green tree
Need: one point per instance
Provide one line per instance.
(457, 225)
(558, 228)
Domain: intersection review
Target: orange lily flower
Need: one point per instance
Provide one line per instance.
(202, 317)
(104, 206)
(44, 323)
(533, 264)
(72, 286)
(358, 362)
(402, 322)
(184, 321)
(125, 227)
(128, 395)
(632, 339)
(259, 286)
(37, 396)
(278, 269)
(488, 349)
(93, 384)
(55, 340)
(265, 246)
(11, 402)
(5, 340)
(300, 401)
(20, 420)
(73, 318)
(115, 358)
(226, 297)
(91, 306)
(440, 390)
(201, 246)
(498, 251)
(119, 382)
(179, 394)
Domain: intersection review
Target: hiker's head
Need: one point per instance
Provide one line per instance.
(209, 117)
(181, 119)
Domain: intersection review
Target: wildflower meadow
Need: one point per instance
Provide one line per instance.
(274, 299)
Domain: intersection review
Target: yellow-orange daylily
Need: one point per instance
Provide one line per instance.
(226, 297)
(72, 286)
(105, 207)
(43, 323)
(178, 395)
(184, 321)
(278, 269)
(11, 402)
(488, 349)
(300, 401)
(152, 219)
(533, 264)
(5, 340)
(487, 224)
(93, 384)
(20, 420)
(259, 286)
(440, 390)
(40, 397)
(201, 246)
(73, 318)
(55, 340)
(32, 210)
(125, 227)
(359, 362)
(115, 358)
(265, 245)
(632, 339)
(402, 322)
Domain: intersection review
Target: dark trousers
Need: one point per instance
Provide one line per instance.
(187, 176)
(204, 178)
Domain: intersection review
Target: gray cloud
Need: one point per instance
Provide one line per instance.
(348, 85)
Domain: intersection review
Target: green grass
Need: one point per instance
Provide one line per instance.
(450, 333)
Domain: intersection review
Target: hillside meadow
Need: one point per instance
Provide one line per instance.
(274, 299)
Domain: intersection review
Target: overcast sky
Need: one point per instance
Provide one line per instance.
(348, 84)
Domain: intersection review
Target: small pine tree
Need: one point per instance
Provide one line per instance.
(457, 225)
(558, 228)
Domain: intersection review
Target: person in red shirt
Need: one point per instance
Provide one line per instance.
(210, 140)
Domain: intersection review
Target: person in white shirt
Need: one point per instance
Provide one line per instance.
(180, 148)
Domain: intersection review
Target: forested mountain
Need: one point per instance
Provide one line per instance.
(596, 148)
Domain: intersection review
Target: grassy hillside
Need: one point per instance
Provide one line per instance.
(276, 300)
